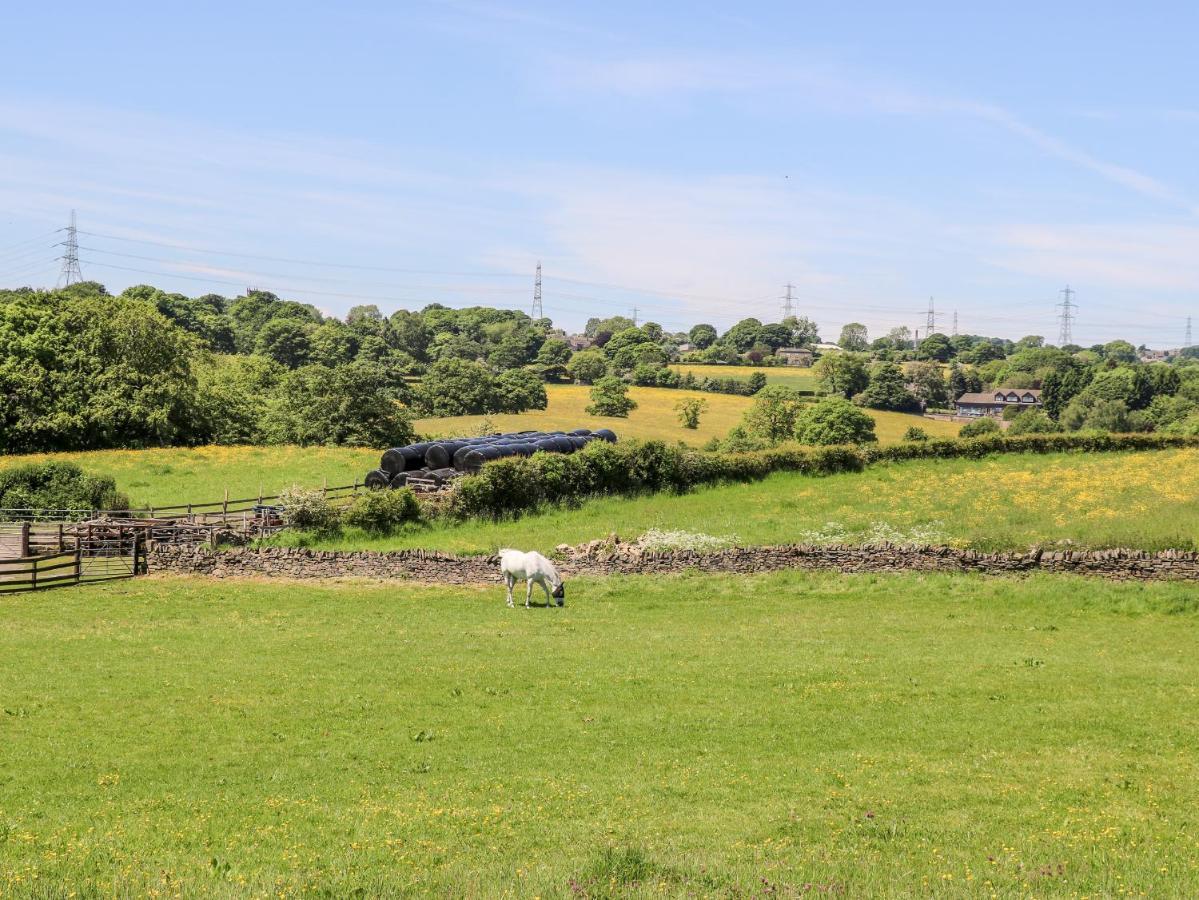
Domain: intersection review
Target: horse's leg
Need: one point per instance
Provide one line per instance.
(511, 582)
(549, 601)
(529, 594)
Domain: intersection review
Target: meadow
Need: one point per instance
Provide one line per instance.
(171, 475)
(1143, 500)
(691, 736)
(796, 377)
(655, 417)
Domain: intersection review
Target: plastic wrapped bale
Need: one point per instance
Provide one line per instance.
(440, 454)
(398, 480)
(376, 479)
(441, 476)
(581, 432)
(606, 434)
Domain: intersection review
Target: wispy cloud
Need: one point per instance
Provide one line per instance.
(833, 88)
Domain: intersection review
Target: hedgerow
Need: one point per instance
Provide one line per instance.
(511, 487)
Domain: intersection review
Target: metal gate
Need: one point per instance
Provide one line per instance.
(110, 552)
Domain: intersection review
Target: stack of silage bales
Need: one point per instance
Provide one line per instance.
(440, 461)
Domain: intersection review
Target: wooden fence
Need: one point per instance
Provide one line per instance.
(217, 512)
(112, 556)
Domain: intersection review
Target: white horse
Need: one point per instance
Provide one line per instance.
(531, 567)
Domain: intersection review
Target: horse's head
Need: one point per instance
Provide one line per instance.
(559, 593)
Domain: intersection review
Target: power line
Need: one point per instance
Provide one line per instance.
(306, 262)
(70, 273)
(930, 321)
(1187, 341)
(788, 302)
(955, 323)
(538, 312)
(1067, 306)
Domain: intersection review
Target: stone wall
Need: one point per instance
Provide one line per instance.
(612, 558)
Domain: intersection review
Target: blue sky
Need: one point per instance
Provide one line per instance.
(686, 158)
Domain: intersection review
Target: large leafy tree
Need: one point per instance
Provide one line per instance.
(854, 337)
(357, 404)
(887, 390)
(834, 421)
(843, 373)
(773, 413)
(86, 371)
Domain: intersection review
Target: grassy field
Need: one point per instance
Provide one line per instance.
(1006, 502)
(655, 417)
(783, 735)
(788, 376)
(173, 475)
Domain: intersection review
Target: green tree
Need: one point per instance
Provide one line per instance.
(743, 335)
(887, 390)
(834, 420)
(1120, 351)
(755, 382)
(928, 383)
(456, 387)
(854, 338)
(354, 404)
(286, 341)
(772, 415)
(518, 390)
(935, 346)
(804, 332)
(587, 366)
(843, 373)
(702, 336)
(610, 397)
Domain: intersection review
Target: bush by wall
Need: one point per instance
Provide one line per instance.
(512, 487)
(382, 512)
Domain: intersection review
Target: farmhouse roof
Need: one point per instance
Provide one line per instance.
(998, 395)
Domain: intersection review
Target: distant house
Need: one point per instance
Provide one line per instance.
(993, 403)
(829, 348)
(1158, 355)
(578, 342)
(795, 356)
(686, 348)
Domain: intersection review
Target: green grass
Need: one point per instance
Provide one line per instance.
(865, 736)
(1005, 502)
(655, 417)
(171, 475)
(789, 376)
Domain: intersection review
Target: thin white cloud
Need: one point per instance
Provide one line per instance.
(829, 87)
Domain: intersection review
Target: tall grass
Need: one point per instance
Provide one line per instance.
(1004, 502)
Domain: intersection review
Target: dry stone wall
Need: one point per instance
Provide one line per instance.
(613, 558)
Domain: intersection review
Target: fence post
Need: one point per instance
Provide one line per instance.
(24, 548)
(61, 545)
(33, 576)
(78, 562)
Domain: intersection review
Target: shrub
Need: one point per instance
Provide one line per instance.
(1033, 421)
(979, 427)
(309, 510)
(382, 512)
(915, 433)
(834, 421)
(689, 411)
(610, 397)
(54, 485)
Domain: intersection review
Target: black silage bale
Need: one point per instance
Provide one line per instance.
(376, 478)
